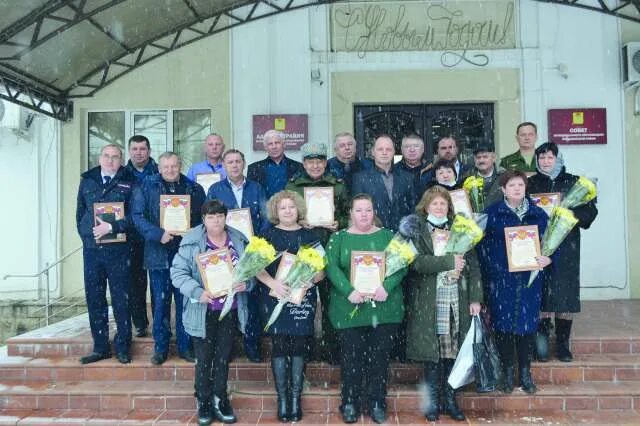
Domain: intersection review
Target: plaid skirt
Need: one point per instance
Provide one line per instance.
(447, 315)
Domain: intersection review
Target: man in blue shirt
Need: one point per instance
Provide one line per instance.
(273, 172)
(238, 192)
(213, 148)
(140, 165)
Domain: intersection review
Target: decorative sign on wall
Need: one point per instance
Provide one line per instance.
(294, 127)
(423, 26)
(573, 126)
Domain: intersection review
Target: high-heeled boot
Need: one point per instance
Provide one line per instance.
(297, 383)
(280, 369)
(563, 332)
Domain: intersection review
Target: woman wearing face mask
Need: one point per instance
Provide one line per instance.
(366, 337)
(444, 174)
(434, 336)
(514, 305)
(561, 294)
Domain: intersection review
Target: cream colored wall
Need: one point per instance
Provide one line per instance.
(499, 86)
(631, 32)
(195, 76)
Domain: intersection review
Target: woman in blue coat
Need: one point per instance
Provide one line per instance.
(514, 306)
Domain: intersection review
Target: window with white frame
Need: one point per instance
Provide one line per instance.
(182, 131)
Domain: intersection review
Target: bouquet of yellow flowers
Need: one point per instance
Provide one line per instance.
(474, 186)
(399, 254)
(257, 255)
(561, 222)
(309, 261)
(465, 233)
(583, 191)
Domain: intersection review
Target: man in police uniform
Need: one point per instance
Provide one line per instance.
(108, 182)
(315, 174)
(140, 165)
(523, 159)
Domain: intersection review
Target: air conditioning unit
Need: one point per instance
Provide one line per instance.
(631, 63)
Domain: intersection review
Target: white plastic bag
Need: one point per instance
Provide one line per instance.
(462, 371)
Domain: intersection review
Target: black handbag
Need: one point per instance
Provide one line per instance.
(486, 360)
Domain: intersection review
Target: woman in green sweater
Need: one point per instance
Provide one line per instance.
(366, 337)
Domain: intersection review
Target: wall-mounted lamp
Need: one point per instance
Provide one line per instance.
(563, 69)
(316, 76)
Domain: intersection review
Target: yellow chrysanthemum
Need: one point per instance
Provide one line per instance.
(467, 226)
(473, 182)
(402, 249)
(560, 213)
(590, 186)
(311, 257)
(262, 247)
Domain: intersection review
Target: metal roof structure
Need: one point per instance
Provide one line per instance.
(52, 51)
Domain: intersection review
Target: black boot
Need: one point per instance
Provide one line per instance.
(563, 331)
(526, 381)
(350, 413)
(450, 403)
(281, 377)
(222, 410)
(297, 382)
(542, 340)
(204, 412)
(508, 383)
(432, 390)
(378, 411)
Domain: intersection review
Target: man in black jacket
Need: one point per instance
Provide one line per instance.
(107, 183)
(140, 165)
(273, 172)
(391, 188)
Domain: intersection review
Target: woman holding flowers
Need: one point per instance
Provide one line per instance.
(212, 337)
(561, 294)
(292, 330)
(367, 327)
(449, 282)
(513, 303)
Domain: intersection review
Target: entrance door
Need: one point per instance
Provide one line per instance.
(470, 124)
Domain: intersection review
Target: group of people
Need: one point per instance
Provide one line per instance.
(421, 312)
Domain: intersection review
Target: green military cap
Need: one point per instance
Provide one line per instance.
(313, 150)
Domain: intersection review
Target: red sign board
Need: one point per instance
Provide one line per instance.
(578, 126)
(294, 127)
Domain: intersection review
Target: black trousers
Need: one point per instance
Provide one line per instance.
(290, 345)
(365, 353)
(523, 344)
(213, 354)
(138, 286)
(329, 340)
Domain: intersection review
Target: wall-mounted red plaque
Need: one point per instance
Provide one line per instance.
(294, 127)
(574, 126)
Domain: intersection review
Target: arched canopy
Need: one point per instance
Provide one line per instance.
(52, 51)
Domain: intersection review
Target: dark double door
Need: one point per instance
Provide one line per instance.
(470, 124)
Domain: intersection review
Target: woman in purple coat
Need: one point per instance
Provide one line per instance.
(514, 305)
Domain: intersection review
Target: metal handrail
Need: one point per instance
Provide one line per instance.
(46, 268)
(45, 272)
